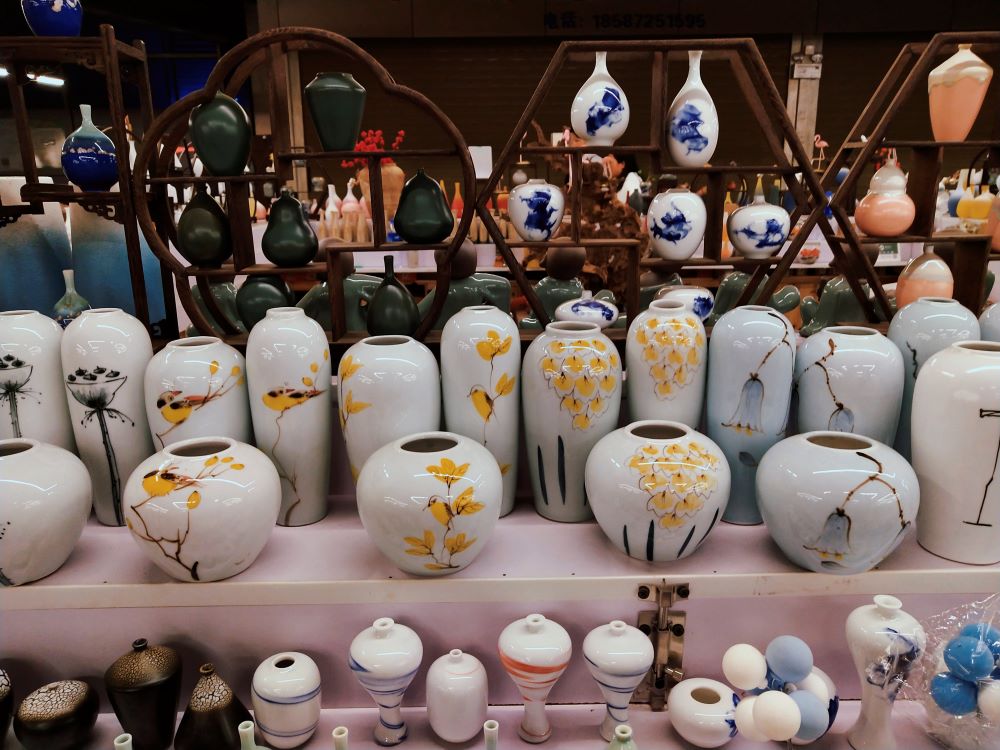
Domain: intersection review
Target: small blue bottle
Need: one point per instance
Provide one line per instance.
(88, 156)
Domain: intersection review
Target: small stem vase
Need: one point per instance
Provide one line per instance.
(618, 657)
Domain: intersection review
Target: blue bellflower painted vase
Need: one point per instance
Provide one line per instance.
(676, 221)
(53, 17)
(536, 209)
(88, 156)
(600, 110)
(693, 123)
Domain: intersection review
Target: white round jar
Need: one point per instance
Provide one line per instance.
(618, 657)
(219, 497)
(676, 222)
(536, 209)
(703, 711)
(286, 699)
(32, 394)
(758, 229)
(196, 387)
(600, 111)
(45, 497)
(836, 503)
(430, 501)
(697, 299)
(457, 696)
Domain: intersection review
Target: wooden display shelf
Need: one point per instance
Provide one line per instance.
(942, 237)
(69, 50)
(663, 264)
(47, 192)
(402, 153)
(207, 178)
(894, 143)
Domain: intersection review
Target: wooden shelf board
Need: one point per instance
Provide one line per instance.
(400, 154)
(583, 242)
(202, 179)
(661, 263)
(931, 238)
(47, 192)
(894, 143)
(62, 49)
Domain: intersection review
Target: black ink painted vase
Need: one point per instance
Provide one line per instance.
(57, 716)
(423, 216)
(289, 240)
(203, 237)
(212, 716)
(392, 309)
(337, 103)
(144, 687)
(220, 131)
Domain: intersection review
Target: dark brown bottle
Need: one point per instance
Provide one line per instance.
(212, 716)
(144, 687)
(6, 704)
(57, 716)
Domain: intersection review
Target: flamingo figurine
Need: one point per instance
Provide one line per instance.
(819, 143)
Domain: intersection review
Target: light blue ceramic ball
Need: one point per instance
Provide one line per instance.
(954, 696)
(985, 632)
(968, 658)
(815, 718)
(790, 658)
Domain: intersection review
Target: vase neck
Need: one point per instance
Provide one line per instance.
(70, 281)
(694, 68)
(85, 111)
(389, 272)
(601, 64)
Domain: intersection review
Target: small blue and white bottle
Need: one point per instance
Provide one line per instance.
(692, 122)
(758, 229)
(88, 156)
(676, 223)
(286, 699)
(600, 110)
(536, 209)
(53, 17)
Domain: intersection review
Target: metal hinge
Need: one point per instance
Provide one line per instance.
(665, 628)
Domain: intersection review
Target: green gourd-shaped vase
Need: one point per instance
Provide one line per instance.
(337, 103)
(220, 131)
(423, 216)
(258, 295)
(289, 241)
(392, 309)
(203, 237)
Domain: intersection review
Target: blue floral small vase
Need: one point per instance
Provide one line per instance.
(692, 122)
(53, 17)
(536, 210)
(600, 110)
(676, 223)
(589, 309)
(88, 156)
(758, 229)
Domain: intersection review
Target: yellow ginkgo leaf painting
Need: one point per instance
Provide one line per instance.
(582, 372)
(677, 478)
(484, 395)
(674, 350)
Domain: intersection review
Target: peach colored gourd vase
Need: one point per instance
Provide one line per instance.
(886, 211)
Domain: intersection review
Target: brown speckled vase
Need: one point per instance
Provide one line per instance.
(212, 716)
(144, 687)
(6, 704)
(57, 716)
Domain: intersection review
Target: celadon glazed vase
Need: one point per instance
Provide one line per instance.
(288, 372)
(536, 209)
(618, 657)
(571, 380)
(731, 288)
(600, 110)
(955, 90)
(457, 696)
(466, 288)
(224, 293)
(289, 240)
(144, 686)
(89, 159)
(213, 715)
(676, 221)
(392, 309)
(336, 103)
(693, 123)
(203, 237)
(220, 132)
(422, 216)
(621, 739)
(68, 307)
(286, 696)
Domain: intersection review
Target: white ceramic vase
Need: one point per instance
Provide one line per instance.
(618, 657)
(989, 323)
(104, 356)
(657, 489)
(45, 497)
(703, 711)
(836, 503)
(196, 387)
(697, 299)
(203, 509)
(920, 330)
(571, 376)
(676, 223)
(457, 696)
(666, 355)
(535, 652)
(588, 309)
(288, 372)
(956, 441)
(32, 394)
(536, 209)
(692, 122)
(885, 643)
(388, 387)
(286, 699)
(430, 501)
(752, 363)
(849, 379)
(385, 659)
(600, 110)
(481, 386)
(758, 229)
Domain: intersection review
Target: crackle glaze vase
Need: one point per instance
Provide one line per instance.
(693, 123)
(536, 209)
(618, 657)
(144, 686)
(288, 371)
(571, 379)
(600, 110)
(676, 223)
(285, 692)
(213, 715)
(752, 356)
(481, 385)
(57, 716)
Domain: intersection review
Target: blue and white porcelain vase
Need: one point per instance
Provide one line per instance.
(286, 695)
(989, 323)
(588, 309)
(703, 711)
(676, 223)
(693, 123)
(752, 363)
(53, 17)
(618, 657)
(849, 379)
(697, 299)
(600, 110)
(536, 209)
(758, 229)
(88, 156)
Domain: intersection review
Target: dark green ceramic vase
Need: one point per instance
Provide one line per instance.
(203, 232)
(258, 295)
(392, 309)
(289, 241)
(423, 216)
(337, 103)
(224, 293)
(220, 131)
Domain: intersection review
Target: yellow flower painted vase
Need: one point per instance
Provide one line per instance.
(481, 385)
(658, 488)
(430, 501)
(571, 377)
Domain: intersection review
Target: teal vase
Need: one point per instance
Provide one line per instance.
(220, 131)
(358, 291)
(392, 309)
(203, 237)
(224, 293)
(258, 295)
(71, 304)
(423, 216)
(337, 103)
(289, 240)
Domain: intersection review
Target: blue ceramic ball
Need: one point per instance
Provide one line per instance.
(790, 658)
(986, 633)
(53, 17)
(815, 717)
(954, 696)
(968, 658)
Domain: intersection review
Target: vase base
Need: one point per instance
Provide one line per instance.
(534, 739)
(955, 559)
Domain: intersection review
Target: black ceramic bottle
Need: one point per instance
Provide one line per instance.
(57, 716)
(220, 131)
(6, 704)
(392, 309)
(288, 241)
(203, 237)
(337, 103)
(144, 687)
(212, 716)
(423, 216)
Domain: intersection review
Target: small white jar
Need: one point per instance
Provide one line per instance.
(536, 210)
(286, 699)
(676, 223)
(457, 696)
(703, 711)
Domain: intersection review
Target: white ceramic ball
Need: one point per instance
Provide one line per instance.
(815, 685)
(989, 700)
(744, 666)
(745, 723)
(776, 715)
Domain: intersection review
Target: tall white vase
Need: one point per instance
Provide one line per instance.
(32, 394)
(618, 657)
(288, 371)
(104, 356)
(571, 377)
(481, 385)
(600, 110)
(692, 122)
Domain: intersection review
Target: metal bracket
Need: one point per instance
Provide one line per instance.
(665, 628)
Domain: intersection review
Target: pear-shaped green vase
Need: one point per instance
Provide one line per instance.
(220, 131)
(224, 293)
(289, 241)
(392, 309)
(258, 295)
(337, 103)
(203, 237)
(422, 217)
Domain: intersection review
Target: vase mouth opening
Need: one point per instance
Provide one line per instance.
(382, 626)
(206, 669)
(989, 347)
(667, 304)
(245, 727)
(334, 73)
(706, 696)
(887, 603)
(101, 310)
(852, 330)
(123, 740)
(193, 341)
(140, 644)
(199, 447)
(572, 327)
(387, 340)
(283, 661)
(17, 313)
(840, 441)
(456, 654)
(534, 622)
(755, 308)
(491, 725)
(15, 446)
(939, 300)
(482, 308)
(658, 430)
(340, 732)
(623, 732)
(429, 443)
(617, 627)
(285, 312)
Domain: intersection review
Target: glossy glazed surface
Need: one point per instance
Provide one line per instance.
(600, 111)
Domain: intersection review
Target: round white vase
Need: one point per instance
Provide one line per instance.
(457, 696)
(388, 387)
(618, 657)
(885, 643)
(956, 441)
(919, 330)
(849, 379)
(45, 497)
(536, 209)
(989, 323)
(752, 363)
(692, 122)
(657, 489)
(571, 376)
(758, 229)
(836, 503)
(666, 356)
(385, 659)
(196, 387)
(697, 299)
(676, 222)
(32, 394)
(600, 111)
(203, 509)
(286, 699)
(430, 501)
(703, 711)
(104, 356)
(288, 371)
(535, 652)
(481, 385)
